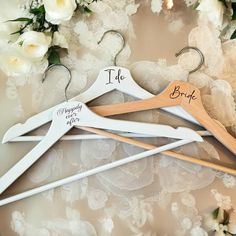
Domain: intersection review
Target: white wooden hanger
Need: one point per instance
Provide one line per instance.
(71, 114)
(109, 79)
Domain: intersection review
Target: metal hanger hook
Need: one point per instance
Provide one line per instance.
(69, 81)
(202, 59)
(122, 39)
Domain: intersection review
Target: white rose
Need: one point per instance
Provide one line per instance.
(59, 40)
(58, 11)
(14, 64)
(33, 45)
(214, 10)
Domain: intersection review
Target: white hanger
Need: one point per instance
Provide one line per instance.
(77, 137)
(71, 114)
(109, 79)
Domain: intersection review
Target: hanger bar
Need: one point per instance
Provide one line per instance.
(177, 93)
(93, 171)
(76, 137)
(153, 150)
(178, 156)
(126, 139)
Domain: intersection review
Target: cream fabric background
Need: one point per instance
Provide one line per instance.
(151, 197)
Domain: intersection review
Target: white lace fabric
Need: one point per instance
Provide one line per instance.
(142, 197)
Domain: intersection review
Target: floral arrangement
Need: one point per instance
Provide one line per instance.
(36, 42)
(221, 222)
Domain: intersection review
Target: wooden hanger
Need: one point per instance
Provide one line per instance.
(177, 93)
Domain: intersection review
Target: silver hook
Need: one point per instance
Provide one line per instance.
(69, 81)
(123, 43)
(202, 59)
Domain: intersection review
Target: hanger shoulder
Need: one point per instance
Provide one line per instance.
(120, 78)
(192, 103)
(32, 123)
(102, 85)
(218, 131)
(159, 101)
(61, 124)
(196, 109)
(125, 83)
(90, 119)
(20, 167)
(177, 93)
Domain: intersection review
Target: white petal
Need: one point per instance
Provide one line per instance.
(58, 11)
(60, 40)
(33, 45)
(13, 64)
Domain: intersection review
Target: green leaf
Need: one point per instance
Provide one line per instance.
(53, 56)
(21, 43)
(21, 30)
(21, 19)
(233, 36)
(83, 9)
(87, 10)
(215, 213)
(54, 28)
(195, 5)
(234, 10)
(38, 10)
